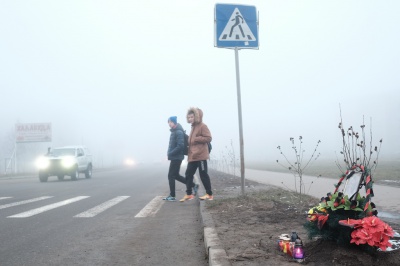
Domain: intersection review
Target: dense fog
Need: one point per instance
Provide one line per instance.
(108, 75)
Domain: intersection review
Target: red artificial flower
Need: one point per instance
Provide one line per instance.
(353, 204)
(384, 242)
(383, 246)
(370, 230)
(351, 223)
(387, 230)
(368, 238)
(375, 238)
(312, 217)
(357, 237)
(374, 224)
(322, 220)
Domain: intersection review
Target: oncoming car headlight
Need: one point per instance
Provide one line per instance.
(42, 163)
(67, 162)
(129, 162)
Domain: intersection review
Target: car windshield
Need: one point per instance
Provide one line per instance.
(63, 152)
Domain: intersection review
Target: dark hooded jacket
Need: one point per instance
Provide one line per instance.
(199, 136)
(176, 142)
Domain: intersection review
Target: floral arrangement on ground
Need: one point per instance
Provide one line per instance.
(350, 218)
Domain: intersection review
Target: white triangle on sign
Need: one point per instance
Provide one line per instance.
(237, 29)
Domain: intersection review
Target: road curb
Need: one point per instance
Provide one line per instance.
(216, 253)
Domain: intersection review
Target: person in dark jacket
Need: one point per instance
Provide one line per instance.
(175, 155)
(198, 154)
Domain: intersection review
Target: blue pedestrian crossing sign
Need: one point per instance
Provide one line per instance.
(236, 26)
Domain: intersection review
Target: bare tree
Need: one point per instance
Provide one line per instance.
(232, 158)
(356, 150)
(299, 164)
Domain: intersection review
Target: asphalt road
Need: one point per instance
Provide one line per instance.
(385, 196)
(115, 218)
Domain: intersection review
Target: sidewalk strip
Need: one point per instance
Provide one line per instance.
(151, 208)
(47, 207)
(23, 202)
(102, 207)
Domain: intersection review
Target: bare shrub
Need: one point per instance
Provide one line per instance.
(299, 164)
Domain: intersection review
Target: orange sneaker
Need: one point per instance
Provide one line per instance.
(207, 197)
(187, 197)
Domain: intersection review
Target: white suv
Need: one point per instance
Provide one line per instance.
(62, 161)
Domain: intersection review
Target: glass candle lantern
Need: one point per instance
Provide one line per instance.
(298, 251)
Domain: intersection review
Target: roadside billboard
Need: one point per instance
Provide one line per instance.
(33, 132)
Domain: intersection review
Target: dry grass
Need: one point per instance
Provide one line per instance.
(249, 226)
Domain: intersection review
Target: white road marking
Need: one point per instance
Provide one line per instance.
(5, 198)
(47, 207)
(102, 207)
(151, 208)
(23, 202)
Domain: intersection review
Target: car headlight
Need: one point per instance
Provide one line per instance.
(129, 162)
(42, 163)
(67, 162)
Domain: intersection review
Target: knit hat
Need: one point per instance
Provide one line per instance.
(173, 119)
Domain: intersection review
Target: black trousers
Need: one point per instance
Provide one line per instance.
(205, 178)
(173, 174)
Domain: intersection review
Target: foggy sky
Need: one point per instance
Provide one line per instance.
(108, 74)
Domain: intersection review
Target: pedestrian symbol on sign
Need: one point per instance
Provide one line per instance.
(237, 23)
(236, 29)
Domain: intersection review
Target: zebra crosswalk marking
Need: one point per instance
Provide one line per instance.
(47, 207)
(5, 198)
(23, 202)
(151, 208)
(102, 207)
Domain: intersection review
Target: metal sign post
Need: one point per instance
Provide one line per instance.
(236, 27)
(239, 99)
(15, 158)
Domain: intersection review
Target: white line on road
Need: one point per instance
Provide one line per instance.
(5, 198)
(102, 207)
(151, 208)
(23, 202)
(47, 207)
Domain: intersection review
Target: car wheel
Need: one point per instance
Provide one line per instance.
(88, 172)
(60, 177)
(75, 174)
(43, 177)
